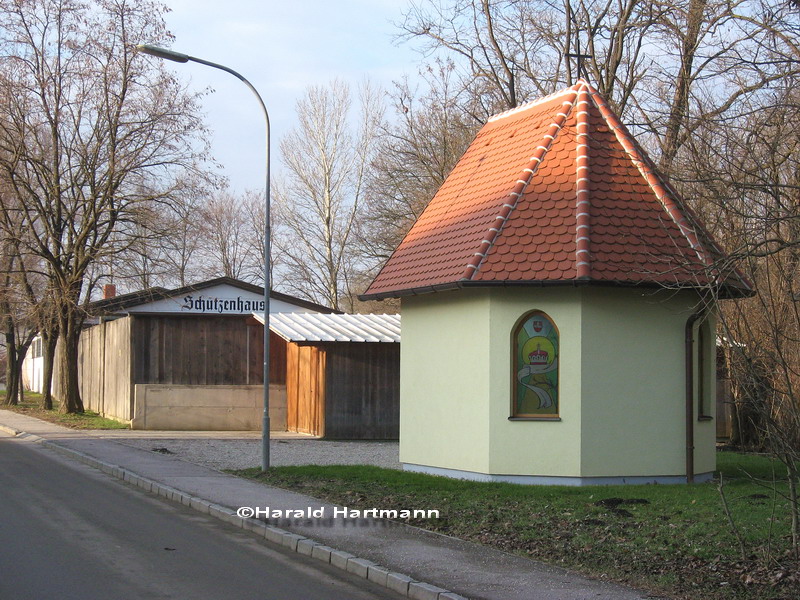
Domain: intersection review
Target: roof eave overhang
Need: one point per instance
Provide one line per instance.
(722, 292)
(417, 291)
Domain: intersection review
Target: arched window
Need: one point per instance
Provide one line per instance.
(535, 348)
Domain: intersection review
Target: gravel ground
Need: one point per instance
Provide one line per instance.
(241, 454)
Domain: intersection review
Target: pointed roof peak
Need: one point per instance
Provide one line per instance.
(560, 193)
(563, 92)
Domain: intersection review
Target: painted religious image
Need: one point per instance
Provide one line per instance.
(536, 367)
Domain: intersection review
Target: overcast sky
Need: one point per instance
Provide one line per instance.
(281, 47)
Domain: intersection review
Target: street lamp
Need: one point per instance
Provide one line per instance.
(182, 58)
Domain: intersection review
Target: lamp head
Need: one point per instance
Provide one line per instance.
(162, 53)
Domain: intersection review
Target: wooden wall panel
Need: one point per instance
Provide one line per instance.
(320, 398)
(344, 390)
(305, 396)
(208, 350)
(362, 388)
(292, 391)
(277, 359)
(118, 382)
(90, 371)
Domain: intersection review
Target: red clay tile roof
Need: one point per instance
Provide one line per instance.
(556, 191)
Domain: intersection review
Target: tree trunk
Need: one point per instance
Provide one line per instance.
(12, 379)
(21, 353)
(12, 389)
(49, 343)
(12, 371)
(69, 331)
(680, 109)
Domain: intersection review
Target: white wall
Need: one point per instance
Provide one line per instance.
(33, 367)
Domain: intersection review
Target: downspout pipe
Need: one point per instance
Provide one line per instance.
(689, 354)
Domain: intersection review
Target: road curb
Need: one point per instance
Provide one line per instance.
(11, 430)
(366, 569)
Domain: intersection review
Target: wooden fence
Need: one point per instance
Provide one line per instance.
(104, 369)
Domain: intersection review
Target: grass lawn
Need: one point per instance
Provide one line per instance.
(671, 539)
(32, 406)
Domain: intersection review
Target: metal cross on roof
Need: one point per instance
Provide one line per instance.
(581, 68)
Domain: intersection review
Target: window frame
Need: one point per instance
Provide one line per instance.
(701, 389)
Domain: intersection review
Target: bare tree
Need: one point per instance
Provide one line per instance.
(512, 51)
(748, 174)
(181, 242)
(91, 137)
(158, 247)
(18, 322)
(25, 308)
(494, 41)
(717, 58)
(193, 237)
(666, 67)
(255, 208)
(416, 152)
(226, 233)
(318, 203)
(142, 263)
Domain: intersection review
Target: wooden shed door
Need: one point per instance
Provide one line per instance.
(305, 389)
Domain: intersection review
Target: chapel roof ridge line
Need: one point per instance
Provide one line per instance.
(528, 173)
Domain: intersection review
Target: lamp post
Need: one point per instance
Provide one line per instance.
(182, 58)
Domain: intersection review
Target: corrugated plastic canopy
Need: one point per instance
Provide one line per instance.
(555, 192)
(315, 327)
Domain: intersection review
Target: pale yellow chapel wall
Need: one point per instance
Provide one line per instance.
(621, 384)
(536, 447)
(444, 382)
(633, 408)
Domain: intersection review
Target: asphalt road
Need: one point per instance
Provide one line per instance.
(68, 531)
